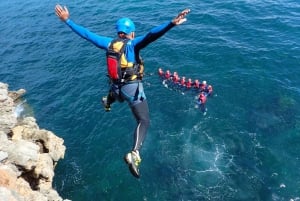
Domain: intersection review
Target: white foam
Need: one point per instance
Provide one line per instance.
(19, 109)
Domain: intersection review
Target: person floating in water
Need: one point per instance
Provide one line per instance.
(196, 84)
(126, 83)
(160, 72)
(201, 101)
(189, 83)
(167, 75)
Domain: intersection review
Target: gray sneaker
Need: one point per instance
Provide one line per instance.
(105, 105)
(133, 160)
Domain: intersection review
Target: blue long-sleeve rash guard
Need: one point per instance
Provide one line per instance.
(133, 46)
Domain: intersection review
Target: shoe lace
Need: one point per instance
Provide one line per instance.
(136, 157)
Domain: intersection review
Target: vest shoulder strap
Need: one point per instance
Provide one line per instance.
(118, 45)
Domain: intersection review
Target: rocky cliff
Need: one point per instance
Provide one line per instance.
(28, 154)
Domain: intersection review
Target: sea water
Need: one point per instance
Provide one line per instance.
(246, 147)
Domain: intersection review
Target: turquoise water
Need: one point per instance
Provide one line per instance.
(245, 148)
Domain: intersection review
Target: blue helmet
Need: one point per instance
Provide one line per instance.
(125, 25)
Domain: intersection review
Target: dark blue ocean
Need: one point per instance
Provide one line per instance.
(246, 147)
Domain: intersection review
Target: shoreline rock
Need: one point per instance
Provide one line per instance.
(28, 154)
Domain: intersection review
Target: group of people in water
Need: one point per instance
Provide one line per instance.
(181, 83)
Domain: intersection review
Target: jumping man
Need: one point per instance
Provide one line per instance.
(127, 84)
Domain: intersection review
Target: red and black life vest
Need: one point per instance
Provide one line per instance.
(118, 68)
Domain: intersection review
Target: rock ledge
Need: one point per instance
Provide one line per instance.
(28, 154)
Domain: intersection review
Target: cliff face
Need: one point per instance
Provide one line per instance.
(28, 154)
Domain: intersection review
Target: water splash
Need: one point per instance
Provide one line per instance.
(19, 109)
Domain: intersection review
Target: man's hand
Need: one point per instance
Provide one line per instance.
(62, 12)
(181, 17)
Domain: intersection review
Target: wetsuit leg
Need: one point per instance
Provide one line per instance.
(110, 97)
(114, 94)
(141, 114)
(134, 94)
